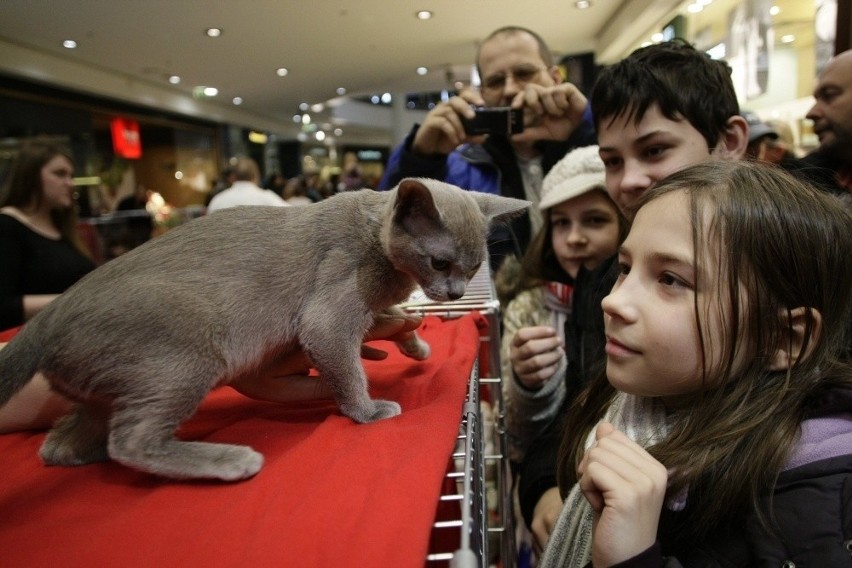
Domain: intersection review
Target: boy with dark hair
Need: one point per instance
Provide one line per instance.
(663, 108)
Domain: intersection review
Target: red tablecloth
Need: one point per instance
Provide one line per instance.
(331, 493)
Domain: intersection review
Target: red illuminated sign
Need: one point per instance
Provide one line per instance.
(125, 138)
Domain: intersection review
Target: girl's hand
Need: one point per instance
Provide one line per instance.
(625, 487)
(535, 354)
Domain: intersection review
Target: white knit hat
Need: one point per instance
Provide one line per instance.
(579, 172)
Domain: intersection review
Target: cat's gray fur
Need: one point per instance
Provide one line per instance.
(140, 341)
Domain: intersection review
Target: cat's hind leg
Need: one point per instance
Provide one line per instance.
(142, 437)
(77, 438)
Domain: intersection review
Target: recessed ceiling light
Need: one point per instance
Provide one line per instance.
(174, 79)
(304, 106)
(213, 32)
(789, 38)
(582, 4)
(237, 100)
(422, 70)
(341, 91)
(338, 132)
(210, 91)
(424, 15)
(282, 71)
(774, 11)
(69, 43)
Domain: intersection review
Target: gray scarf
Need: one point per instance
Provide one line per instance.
(570, 545)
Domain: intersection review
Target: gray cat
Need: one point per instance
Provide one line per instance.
(140, 341)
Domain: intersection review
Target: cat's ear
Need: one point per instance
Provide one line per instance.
(414, 206)
(499, 208)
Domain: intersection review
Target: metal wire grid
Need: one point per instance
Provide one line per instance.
(470, 464)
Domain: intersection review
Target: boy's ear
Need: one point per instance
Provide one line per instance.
(791, 351)
(734, 141)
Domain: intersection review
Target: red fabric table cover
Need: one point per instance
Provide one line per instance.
(331, 492)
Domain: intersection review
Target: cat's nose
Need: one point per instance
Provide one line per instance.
(455, 295)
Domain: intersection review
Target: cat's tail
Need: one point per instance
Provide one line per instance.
(19, 361)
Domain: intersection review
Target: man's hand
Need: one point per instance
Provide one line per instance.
(287, 379)
(442, 129)
(545, 515)
(535, 354)
(625, 487)
(550, 113)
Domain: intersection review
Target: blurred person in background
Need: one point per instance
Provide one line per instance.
(245, 189)
(41, 252)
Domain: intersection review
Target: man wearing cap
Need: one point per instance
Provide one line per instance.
(759, 133)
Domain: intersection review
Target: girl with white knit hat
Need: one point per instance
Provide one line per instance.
(582, 227)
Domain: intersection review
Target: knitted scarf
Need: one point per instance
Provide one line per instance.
(570, 544)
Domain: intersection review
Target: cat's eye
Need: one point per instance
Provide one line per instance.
(440, 265)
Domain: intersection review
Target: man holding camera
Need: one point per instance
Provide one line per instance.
(472, 141)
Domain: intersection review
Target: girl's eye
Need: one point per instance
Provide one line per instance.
(623, 269)
(597, 221)
(667, 279)
(440, 265)
(561, 222)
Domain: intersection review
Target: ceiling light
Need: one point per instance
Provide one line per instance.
(213, 32)
(237, 100)
(657, 37)
(424, 15)
(422, 70)
(789, 38)
(174, 79)
(320, 135)
(297, 118)
(282, 71)
(386, 98)
(694, 8)
(69, 44)
(318, 107)
(582, 4)
(304, 106)
(341, 91)
(774, 11)
(338, 132)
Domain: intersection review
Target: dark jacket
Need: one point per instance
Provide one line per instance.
(812, 506)
(819, 169)
(584, 350)
(491, 167)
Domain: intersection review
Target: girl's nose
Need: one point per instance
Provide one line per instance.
(619, 303)
(576, 236)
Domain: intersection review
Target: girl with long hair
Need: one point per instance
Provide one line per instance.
(41, 251)
(721, 433)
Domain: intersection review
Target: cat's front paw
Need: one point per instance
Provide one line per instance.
(415, 348)
(377, 410)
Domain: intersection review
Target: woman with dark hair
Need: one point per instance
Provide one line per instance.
(41, 253)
